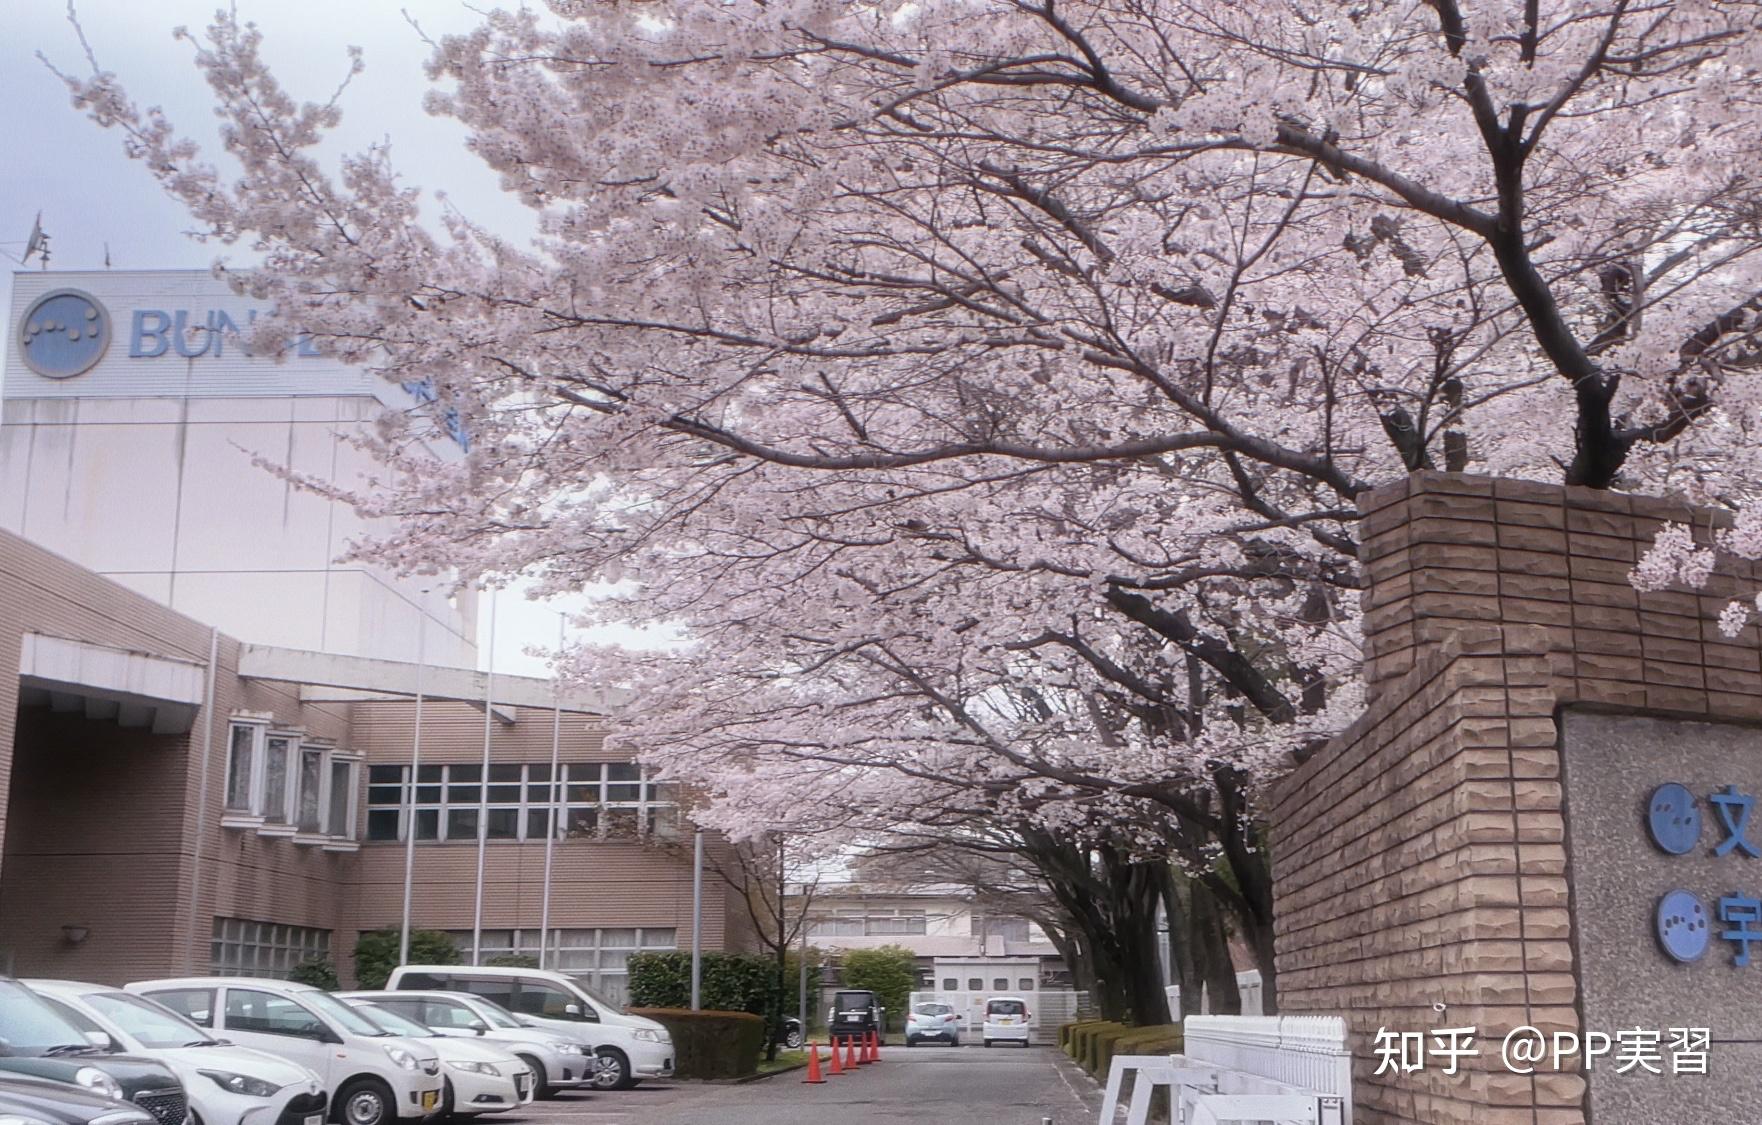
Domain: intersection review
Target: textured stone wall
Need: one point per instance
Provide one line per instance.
(1420, 859)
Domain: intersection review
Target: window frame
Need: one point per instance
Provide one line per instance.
(250, 815)
(543, 807)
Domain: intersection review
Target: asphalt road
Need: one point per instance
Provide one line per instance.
(1000, 1086)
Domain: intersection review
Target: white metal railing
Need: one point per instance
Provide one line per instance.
(1268, 1069)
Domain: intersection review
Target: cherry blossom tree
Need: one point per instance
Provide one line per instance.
(983, 388)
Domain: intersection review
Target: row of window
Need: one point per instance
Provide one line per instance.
(243, 948)
(283, 784)
(869, 923)
(977, 984)
(516, 802)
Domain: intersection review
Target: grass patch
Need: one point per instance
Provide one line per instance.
(783, 1061)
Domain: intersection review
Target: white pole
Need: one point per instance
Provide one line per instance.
(697, 920)
(410, 791)
(802, 988)
(202, 799)
(489, 714)
(544, 910)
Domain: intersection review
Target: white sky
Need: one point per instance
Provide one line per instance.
(92, 197)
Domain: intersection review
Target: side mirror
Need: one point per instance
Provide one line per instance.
(101, 1040)
(572, 1010)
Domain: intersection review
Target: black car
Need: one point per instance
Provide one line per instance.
(57, 1103)
(793, 1036)
(855, 1012)
(36, 1041)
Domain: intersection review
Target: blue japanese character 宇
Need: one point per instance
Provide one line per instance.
(1746, 914)
(1734, 813)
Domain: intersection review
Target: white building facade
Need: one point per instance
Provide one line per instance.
(131, 414)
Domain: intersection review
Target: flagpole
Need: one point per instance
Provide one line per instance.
(489, 711)
(410, 790)
(544, 910)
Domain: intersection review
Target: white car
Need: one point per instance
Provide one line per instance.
(558, 1061)
(374, 1077)
(225, 1084)
(1006, 1020)
(632, 1047)
(479, 1077)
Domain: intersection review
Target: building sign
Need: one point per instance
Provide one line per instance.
(1684, 924)
(184, 332)
(64, 333)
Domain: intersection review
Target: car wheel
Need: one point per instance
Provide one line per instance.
(615, 1075)
(987, 1043)
(364, 1101)
(793, 1039)
(541, 1080)
(910, 1042)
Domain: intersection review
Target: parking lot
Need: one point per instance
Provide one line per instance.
(1009, 1086)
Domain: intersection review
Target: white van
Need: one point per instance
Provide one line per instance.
(1006, 1020)
(632, 1048)
(374, 1077)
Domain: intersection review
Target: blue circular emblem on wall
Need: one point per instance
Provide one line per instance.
(64, 334)
(1682, 926)
(1673, 818)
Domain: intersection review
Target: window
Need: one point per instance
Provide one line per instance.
(538, 998)
(144, 1020)
(243, 782)
(598, 959)
(842, 924)
(244, 948)
(498, 989)
(1025, 984)
(593, 800)
(1000, 984)
(193, 1004)
(974, 984)
(282, 786)
(1000, 925)
(885, 922)
(1005, 1008)
(437, 1013)
(74, 1016)
(950, 984)
(250, 1010)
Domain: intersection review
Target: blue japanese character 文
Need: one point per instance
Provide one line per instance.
(1734, 814)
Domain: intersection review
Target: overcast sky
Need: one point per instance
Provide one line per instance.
(92, 197)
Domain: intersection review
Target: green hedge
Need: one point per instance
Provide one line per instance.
(376, 954)
(1156, 1039)
(711, 1044)
(1101, 1047)
(1067, 1034)
(1083, 1035)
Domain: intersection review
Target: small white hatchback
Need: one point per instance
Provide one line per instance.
(1006, 1020)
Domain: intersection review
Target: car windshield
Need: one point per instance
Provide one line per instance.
(146, 1021)
(933, 1009)
(29, 1026)
(387, 1020)
(581, 987)
(494, 1014)
(1005, 1007)
(340, 1014)
(853, 1001)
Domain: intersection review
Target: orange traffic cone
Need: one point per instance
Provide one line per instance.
(851, 1062)
(869, 1048)
(833, 1041)
(875, 1051)
(814, 1074)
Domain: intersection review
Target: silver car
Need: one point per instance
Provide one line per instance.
(560, 1063)
(932, 1021)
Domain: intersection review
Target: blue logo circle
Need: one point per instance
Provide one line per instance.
(64, 334)
(1673, 819)
(1683, 930)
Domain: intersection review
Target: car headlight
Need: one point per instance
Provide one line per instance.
(402, 1057)
(575, 1049)
(94, 1079)
(645, 1035)
(474, 1067)
(241, 1083)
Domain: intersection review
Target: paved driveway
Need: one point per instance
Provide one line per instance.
(970, 1085)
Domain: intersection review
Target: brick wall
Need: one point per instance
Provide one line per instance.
(1420, 858)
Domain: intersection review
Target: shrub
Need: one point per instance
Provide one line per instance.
(890, 972)
(1067, 1034)
(1083, 1040)
(1156, 1039)
(318, 972)
(711, 1044)
(1101, 1047)
(731, 982)
(376, 954)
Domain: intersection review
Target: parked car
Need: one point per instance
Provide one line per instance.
(932, 1020)
(477, 1077)
(854, 1013)
(225, 1084)
(1006, 1020)
(793, 1036)
(557, 1061)
(60, 1103)
(374, 1077)
(39, 1042)
(633, 1047)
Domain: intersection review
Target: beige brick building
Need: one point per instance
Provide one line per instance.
(173, 800)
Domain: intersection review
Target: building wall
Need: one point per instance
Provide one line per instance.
(1420, 859)
(142, 469)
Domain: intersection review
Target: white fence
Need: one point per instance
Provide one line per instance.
(1047, 1009)
(1248, 984)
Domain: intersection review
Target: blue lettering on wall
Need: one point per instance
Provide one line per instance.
(1734, 814)
(145, 342)
(184, 338)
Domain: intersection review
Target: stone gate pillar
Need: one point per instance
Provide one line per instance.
(1479, 849)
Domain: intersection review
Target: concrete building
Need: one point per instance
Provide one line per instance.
(208, 723)
(173, 800)
(132, 413)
